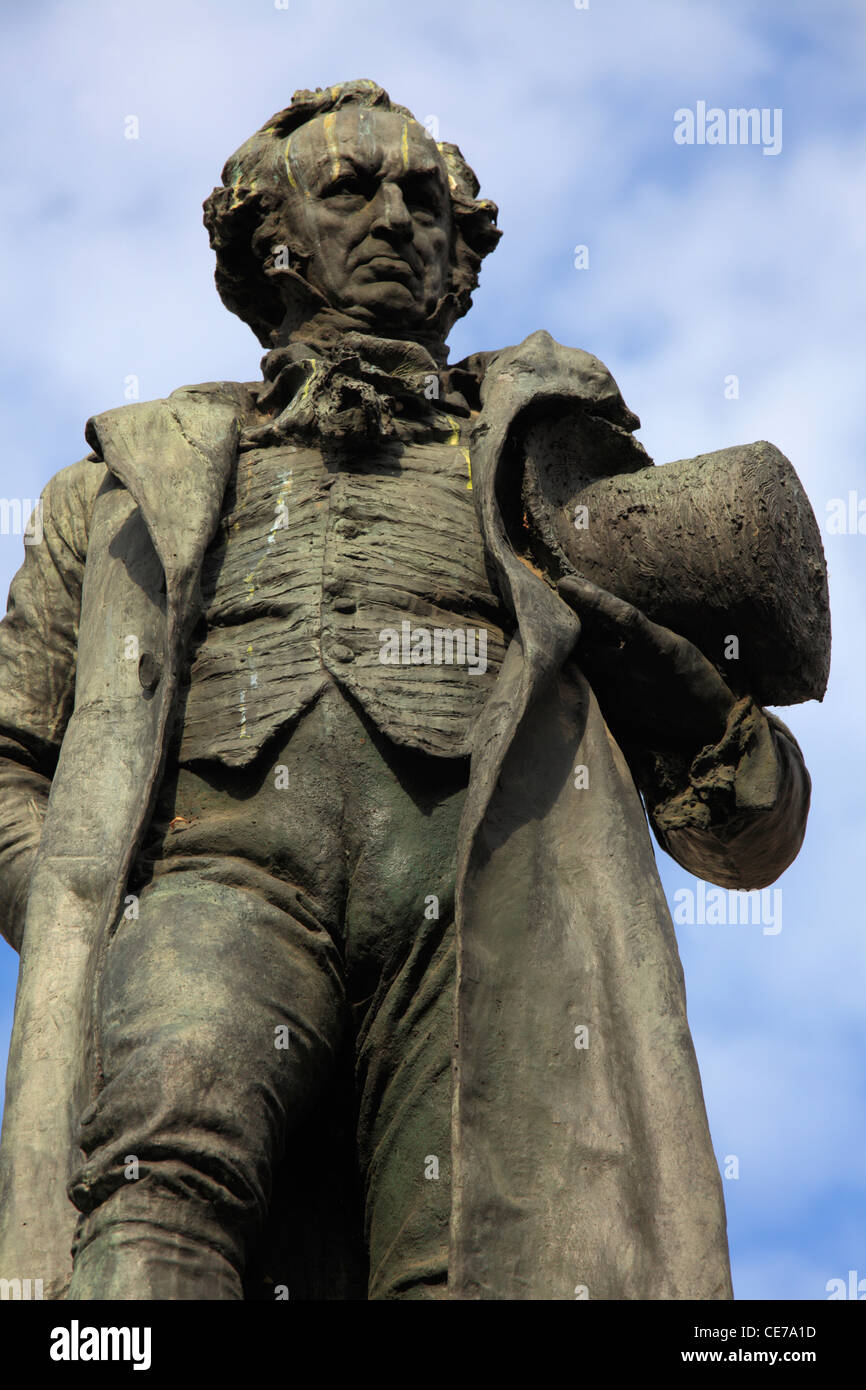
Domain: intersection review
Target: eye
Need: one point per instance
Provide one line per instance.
(423, 199)
(350, 186)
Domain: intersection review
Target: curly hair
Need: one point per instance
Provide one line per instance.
(246, 216)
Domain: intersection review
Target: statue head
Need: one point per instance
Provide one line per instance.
(343, 208)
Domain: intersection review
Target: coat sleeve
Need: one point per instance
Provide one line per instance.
(736, 815)
(38, 640)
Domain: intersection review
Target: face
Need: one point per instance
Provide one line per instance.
(370, 192)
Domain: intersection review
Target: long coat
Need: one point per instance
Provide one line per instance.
(581, 1160)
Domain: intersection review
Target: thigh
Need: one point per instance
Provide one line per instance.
(219, 1014)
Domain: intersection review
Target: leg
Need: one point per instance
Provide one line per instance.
(196, 1090)
(402, 823)
(404, 1071)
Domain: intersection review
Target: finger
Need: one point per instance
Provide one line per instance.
(592, 600)
(616, 615)
(633, 630)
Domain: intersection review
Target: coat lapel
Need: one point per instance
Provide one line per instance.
(175, 456)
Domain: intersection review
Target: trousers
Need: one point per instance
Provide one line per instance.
(277, 1007)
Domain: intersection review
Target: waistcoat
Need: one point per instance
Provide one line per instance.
(366, 567)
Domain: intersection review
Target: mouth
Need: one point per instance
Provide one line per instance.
(389, 267)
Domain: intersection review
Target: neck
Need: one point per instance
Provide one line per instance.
(325, 329)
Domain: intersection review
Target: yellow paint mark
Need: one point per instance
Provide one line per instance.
(331, 141)
(305, 390)
(287, 157)
(235, 185)
(465, 453)
(404, 146)
(454, 443)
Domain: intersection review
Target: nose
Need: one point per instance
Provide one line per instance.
(390, 210)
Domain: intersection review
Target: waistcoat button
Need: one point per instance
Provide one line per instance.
(338, 652)
(148, 671)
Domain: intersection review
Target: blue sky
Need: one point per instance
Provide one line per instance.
(704, 262)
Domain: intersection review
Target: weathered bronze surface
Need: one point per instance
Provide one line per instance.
(328, 705)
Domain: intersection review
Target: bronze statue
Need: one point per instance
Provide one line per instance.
(346, 971)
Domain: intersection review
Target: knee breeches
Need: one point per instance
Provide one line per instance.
(288, 954)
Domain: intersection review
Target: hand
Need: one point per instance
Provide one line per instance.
(653, 686)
